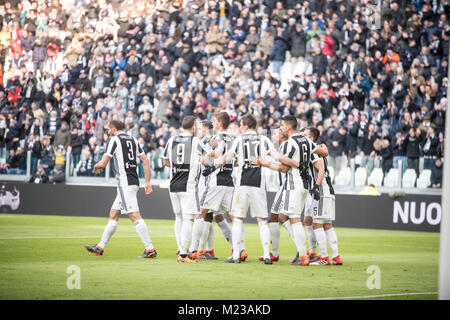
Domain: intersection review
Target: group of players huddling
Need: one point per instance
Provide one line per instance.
(216, 175)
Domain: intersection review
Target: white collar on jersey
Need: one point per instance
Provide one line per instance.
(250, 131)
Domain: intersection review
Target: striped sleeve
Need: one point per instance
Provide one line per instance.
(111, 147)
(165, 154)
(140, 150)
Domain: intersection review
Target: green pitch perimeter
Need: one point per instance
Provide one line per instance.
(38, 251)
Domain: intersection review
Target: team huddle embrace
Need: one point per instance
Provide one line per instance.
(215, 175)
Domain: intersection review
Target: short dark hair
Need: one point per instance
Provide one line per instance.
(223, 118)
(116, 124)
(291, 121)
(249, 120)
(207, 123)
(188, 122)
(314, 132)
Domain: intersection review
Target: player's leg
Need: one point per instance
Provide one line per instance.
(108, 232)
(293, 204)
(224, 227)
(189, 209)
(321, 238)
(274, 229)
(332, 240)
(197, 230)
(176, 206)
(142, 231)
(258, 210)
(284, 220)
(239, 209)
(310, 206)
(205, 234)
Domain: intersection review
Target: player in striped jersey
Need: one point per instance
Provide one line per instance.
(124, 150)
(249, 192)
(321, 208)
(276, 217)
(297, 157)
(216, 198)
(183, 155)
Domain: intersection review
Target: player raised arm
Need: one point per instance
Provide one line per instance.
(322, 150)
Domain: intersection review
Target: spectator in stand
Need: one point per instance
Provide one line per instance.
(412, 146)
(40, 176)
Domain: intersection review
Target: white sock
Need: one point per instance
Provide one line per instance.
(186, 233)
(287, 225)
(142, 231)
(332, 240)
(237, 231)
(210, 242)
(110, 228)
(264, 234)
(322, 241)
(242, 244)
(274, 237)
(311, 238)
(299, 237)
(197, 231)
(178, 225)
(205, 235)
(226, 231)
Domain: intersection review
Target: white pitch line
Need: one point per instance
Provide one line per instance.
(79, 237)
(372, 296)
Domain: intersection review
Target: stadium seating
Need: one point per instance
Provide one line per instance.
(424, 179)
(409, 178)
(376, 177)
(391, 180)
(360, 177)
(344, 177)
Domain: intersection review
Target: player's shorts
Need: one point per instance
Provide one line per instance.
(311, 205)
(276, 205)
(126, 199)
(217, 198)
(293, 202)
(245, 197)
(326, 210)
(185, 204)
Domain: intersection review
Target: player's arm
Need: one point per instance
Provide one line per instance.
(322, 150)
(165, 154)
(315, 191)
(146, 165)
(227, 157)
(110, 149)
(283, 159)
(271, 165)
(102, 163)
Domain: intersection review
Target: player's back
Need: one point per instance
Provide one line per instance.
(224, 175)
(184, 153)
(124, 149)
(300, 149)
(246, 146)
(326, 186)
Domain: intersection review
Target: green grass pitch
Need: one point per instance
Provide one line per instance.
(37, 252)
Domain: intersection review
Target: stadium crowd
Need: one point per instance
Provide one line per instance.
(372, 75)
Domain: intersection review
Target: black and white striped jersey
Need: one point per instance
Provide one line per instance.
(282, 176)
(247, 145)
(300, 149)
(124, 150)
(224, 175)
(326, 187)
(184, 153)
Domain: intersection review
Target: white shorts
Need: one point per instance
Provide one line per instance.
(276, 205)
(126, 199)
(311, 206)
(217, 198)
(293, 202)
(245, 197)
(326, 210)
(185, 204)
